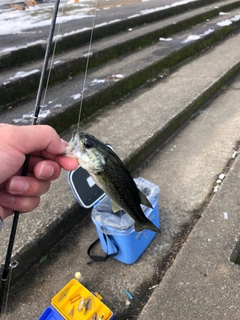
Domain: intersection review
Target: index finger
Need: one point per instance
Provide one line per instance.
(28, 139)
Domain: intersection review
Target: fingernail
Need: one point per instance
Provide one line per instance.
(18, 185)
(46, 171)
(6, 199)
(65, 143)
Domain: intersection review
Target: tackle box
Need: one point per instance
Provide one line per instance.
(127, 245)
(50, 314)
(84, 188)
(76, 302)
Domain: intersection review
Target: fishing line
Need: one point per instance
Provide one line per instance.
(87, 63)
(12, 265)
(7, 265)
(8, 288)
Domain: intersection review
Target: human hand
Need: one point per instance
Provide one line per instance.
(45, 146)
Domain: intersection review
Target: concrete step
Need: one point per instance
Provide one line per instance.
(19, 83)
(186, 169)
(202, 283)
(27, 47)
(61, 107)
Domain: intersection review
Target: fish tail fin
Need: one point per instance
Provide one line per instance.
(148, 225)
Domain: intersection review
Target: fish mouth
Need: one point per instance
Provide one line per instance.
(74, 145)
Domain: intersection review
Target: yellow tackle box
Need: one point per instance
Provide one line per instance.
(75, 302)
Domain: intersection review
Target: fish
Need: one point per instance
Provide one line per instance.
(112, 176)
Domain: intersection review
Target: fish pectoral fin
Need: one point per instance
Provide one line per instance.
(144, 199)
(115, 207)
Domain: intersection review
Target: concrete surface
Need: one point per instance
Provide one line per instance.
(203, 283)
(186, 170)
(64, 64)
(151, 110)
(97, 79)
(165, 101)
(116, 9)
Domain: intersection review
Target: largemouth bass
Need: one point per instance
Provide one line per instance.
(112, 176)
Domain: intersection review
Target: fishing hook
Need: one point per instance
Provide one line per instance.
(7, 265)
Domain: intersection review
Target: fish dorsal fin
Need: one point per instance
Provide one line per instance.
(115, 207)
(144, 199)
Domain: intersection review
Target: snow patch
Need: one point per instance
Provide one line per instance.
(57, 105)
(223, 13)
(29, 44)
(165, 39)
(133, 16)
(197, 37)
(175, 4)
(191, 38)
(224, 23)
(18, 21)
(26, 118)
(106, 23)
(76, 96)
(225, 215)
(96, 81)
(22, 74)
(228, 22)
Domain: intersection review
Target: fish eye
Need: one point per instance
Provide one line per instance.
(87, 144)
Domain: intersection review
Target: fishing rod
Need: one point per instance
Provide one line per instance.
(7, 266)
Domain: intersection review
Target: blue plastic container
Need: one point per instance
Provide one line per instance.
(50, 314)
(127, 244)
